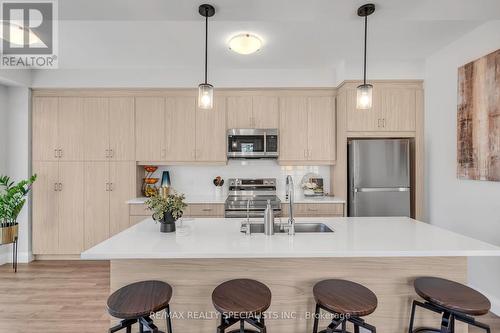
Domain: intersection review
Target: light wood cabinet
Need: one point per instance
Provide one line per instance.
(315, 210)
(393, 110)
(57, 129)
(293, 128)
(96, 125)
(205, 210)
(252, 112)
(307, 130)
(180, 130)
(121, 129)
(265, 111)
(150, 128)
(211, 132)
(239, 112)
(108, 185)
(58, 208)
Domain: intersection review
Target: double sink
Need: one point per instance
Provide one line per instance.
(258, 228)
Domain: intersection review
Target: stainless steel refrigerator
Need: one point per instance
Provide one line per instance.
(379, 177)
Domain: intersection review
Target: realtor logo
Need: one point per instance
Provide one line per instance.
(28, 33)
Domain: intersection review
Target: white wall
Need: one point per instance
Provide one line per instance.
(15, 156)
(3, 152)
(196, 180)
(471, 208)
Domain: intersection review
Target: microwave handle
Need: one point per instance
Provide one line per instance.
(265, 143)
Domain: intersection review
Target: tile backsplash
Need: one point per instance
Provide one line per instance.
(198, 180)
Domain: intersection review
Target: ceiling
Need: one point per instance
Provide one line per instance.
(164, 34)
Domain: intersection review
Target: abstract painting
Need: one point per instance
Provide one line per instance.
(478, 114)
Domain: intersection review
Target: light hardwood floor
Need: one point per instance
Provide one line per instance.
(68, 296)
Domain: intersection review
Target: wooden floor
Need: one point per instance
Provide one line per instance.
(68, 296)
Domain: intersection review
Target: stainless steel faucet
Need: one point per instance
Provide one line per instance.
(289, 194)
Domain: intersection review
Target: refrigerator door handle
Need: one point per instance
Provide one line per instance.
(381, 189)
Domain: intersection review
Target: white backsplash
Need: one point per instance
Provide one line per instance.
(198, 180)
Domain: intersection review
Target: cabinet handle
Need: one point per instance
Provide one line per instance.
(60, 153)
(106, 153)
(111, 186)
(207, 209)
(55, 153)
(60, 186)
(55, 187)
(309, 153)
(312, 209)
(383, 122)
(305, 152)
(111, 153)
(107, 187)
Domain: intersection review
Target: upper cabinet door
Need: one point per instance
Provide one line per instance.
(293, 128)
(364, 120)
(399, 105)
(265, 111)
(150, 129)
(321, 129)
(71, 129)
(180, 120)
(121, 129)
(239, 112)
(211, 133)
(45, 143)
(96, 125)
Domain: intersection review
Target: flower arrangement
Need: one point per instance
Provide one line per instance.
(172, 204)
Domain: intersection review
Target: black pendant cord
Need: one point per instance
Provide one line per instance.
(206, 43)
(364, 61)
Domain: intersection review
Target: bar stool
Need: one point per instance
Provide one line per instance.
(453, 300)
(135, 302)
(347, 301)
(241, 300)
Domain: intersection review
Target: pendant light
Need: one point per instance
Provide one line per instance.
(364, 91)
(206, 90)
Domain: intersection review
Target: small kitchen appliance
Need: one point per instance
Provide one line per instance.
(252, 143)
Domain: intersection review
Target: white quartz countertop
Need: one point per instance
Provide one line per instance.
(220, 199)
(353, 237)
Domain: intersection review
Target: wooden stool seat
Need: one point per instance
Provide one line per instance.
(452, 295)
(243, 296)
(139, 299)
(345, 297)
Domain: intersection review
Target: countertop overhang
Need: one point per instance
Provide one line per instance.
(353, 237)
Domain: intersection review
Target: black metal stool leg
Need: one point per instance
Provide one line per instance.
(169, 320)
(412, 317)
(316, 319)
(14, 255)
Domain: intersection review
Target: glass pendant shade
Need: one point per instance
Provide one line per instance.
(364, 97)
(205, 96)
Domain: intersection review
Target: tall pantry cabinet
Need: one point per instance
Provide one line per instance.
(72, 138)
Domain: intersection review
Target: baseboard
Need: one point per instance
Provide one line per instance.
(22, 257)
(4, 258)
(495, 301)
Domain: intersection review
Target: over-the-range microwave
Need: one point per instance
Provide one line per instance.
(252, 143)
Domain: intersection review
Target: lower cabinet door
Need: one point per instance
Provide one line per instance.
(121, 179)
(96, 202)
(45, 208)
(70, 203)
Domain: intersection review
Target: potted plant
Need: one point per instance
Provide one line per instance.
(167, 209)
(12, 200)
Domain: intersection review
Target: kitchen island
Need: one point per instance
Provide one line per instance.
(384, 254)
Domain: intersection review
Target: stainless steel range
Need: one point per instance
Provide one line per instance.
(249, 196)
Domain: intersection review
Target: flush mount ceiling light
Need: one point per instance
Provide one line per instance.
(245, 43)
(364, 91)
(206, 90)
